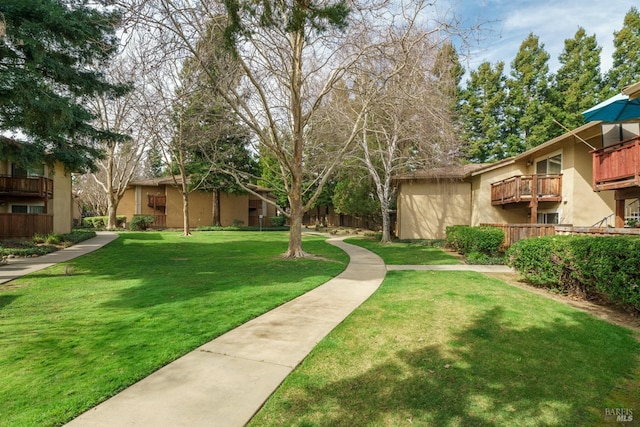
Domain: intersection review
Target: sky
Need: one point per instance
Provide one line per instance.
(509, 22)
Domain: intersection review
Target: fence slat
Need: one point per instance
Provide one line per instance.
(25, 225)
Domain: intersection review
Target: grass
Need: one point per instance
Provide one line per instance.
(70, 341)
(405, 253)
(461, 349)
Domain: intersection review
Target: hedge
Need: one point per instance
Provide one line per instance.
(141, 222)
(102, 221)
(277, 221)
(468, 240)
(589, 266)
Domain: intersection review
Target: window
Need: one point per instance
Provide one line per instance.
(550, 165)
(548, 218)
(27, 209)
(33, 171)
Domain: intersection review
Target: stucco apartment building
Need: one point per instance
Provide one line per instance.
(161, 198)
(572, 179)
(36, 199)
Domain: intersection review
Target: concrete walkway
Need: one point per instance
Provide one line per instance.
(225, 382)
(18, 267)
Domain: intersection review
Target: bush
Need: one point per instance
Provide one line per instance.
(539, 260)
(277, 221)
(102, 221)
(477, 258)
(467, 240)
(589, 266)
(141, 222)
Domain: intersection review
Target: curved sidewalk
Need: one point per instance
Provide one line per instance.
(226, 381)
(18, 267)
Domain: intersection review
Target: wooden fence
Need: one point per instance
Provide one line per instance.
(24, 225)
(515, 232)
(599, 231)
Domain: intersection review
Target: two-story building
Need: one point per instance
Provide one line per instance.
(35, 199)
(586, 177)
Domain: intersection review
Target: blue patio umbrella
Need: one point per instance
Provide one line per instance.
(615, 109)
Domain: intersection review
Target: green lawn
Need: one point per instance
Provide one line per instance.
(70, 341)
(461, 349)
(396, 253)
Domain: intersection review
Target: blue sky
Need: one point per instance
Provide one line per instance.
(508, 23)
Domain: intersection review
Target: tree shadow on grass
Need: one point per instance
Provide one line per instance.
(490, 374)
(5, 300)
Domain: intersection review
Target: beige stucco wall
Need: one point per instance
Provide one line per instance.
(234, 208)
(485, 213)
(62, 203)
(581, 205)
(426, 208)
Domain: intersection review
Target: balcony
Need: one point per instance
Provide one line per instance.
(617, 166)
(156, 202)
(26, 187)
(527, 188)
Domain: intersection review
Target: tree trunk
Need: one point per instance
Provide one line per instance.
(186, 229)
(112, 208)
(386, 224)
(215, 220)
(295, 232)
(295, 194)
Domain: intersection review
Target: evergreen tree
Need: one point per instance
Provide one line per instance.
(51, 57)
(578, 81)
(482, 113)
(626, 67)
(531, 113)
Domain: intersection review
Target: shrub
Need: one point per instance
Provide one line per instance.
(77, 236)
(102, 221)
(39, 238)
(467, 240)
(539, 260)
(54, 239)
(589, 266)
(277, 221)
(141, 222)
(477, 258)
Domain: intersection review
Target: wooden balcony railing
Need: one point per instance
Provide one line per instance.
(31, 187)
(156, 201)
(527, 188)
(617, 166)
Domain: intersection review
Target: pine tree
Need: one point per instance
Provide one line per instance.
(626, 67)
(531, 113)
(578, 81)
(51, 53)
(482, 113)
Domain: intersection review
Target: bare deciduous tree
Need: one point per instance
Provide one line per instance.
(126, 115)
(289, 56)
(407, 107)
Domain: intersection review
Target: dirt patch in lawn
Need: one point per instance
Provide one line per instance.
(601, 309)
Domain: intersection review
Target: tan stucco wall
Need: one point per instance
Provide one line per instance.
(581, 205)
(5, 167)
(426, 208)
(485, 213)
(234, 208)
(62, 203)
